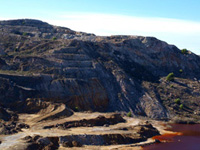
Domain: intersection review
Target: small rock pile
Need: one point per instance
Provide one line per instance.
(11, 127)
(41, 143)
(47, 143)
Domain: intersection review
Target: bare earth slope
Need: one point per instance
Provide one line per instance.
(94, 73)
(123, 133)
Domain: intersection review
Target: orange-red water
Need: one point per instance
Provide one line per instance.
(189, 139)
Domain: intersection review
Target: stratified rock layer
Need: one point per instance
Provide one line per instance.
(88, 72)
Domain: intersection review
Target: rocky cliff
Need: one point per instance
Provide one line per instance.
(96, 73)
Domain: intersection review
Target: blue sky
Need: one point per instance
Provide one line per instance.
(174, 21)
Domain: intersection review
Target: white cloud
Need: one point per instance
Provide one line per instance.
(2, 18)
(184, 34)
(115, 24)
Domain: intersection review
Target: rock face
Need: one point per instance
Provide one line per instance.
(4, 115)
(99, 121)
(88, 72)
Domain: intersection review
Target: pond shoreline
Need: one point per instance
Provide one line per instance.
(184, 137)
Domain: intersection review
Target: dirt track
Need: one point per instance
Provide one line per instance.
(37, 122)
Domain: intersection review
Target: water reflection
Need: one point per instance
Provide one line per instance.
(189, 139)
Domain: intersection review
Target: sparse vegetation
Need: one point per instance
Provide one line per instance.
(24, 34)
(76, 109)
(184, 51)
(113, 83)
(177, 101)
(170, 76)
(54, 38)
(129, 114)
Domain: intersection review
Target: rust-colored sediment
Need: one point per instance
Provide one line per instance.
(167, 137)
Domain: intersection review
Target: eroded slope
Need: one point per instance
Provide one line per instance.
(90, 73)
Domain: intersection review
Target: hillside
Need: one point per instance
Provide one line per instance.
(93, 73)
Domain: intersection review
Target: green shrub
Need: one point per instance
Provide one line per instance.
(76, 109)
(177, 101)
(24, 34)
(184, 51)
(170, 76)
(181, 106)
(129, 114)
(54, 38)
